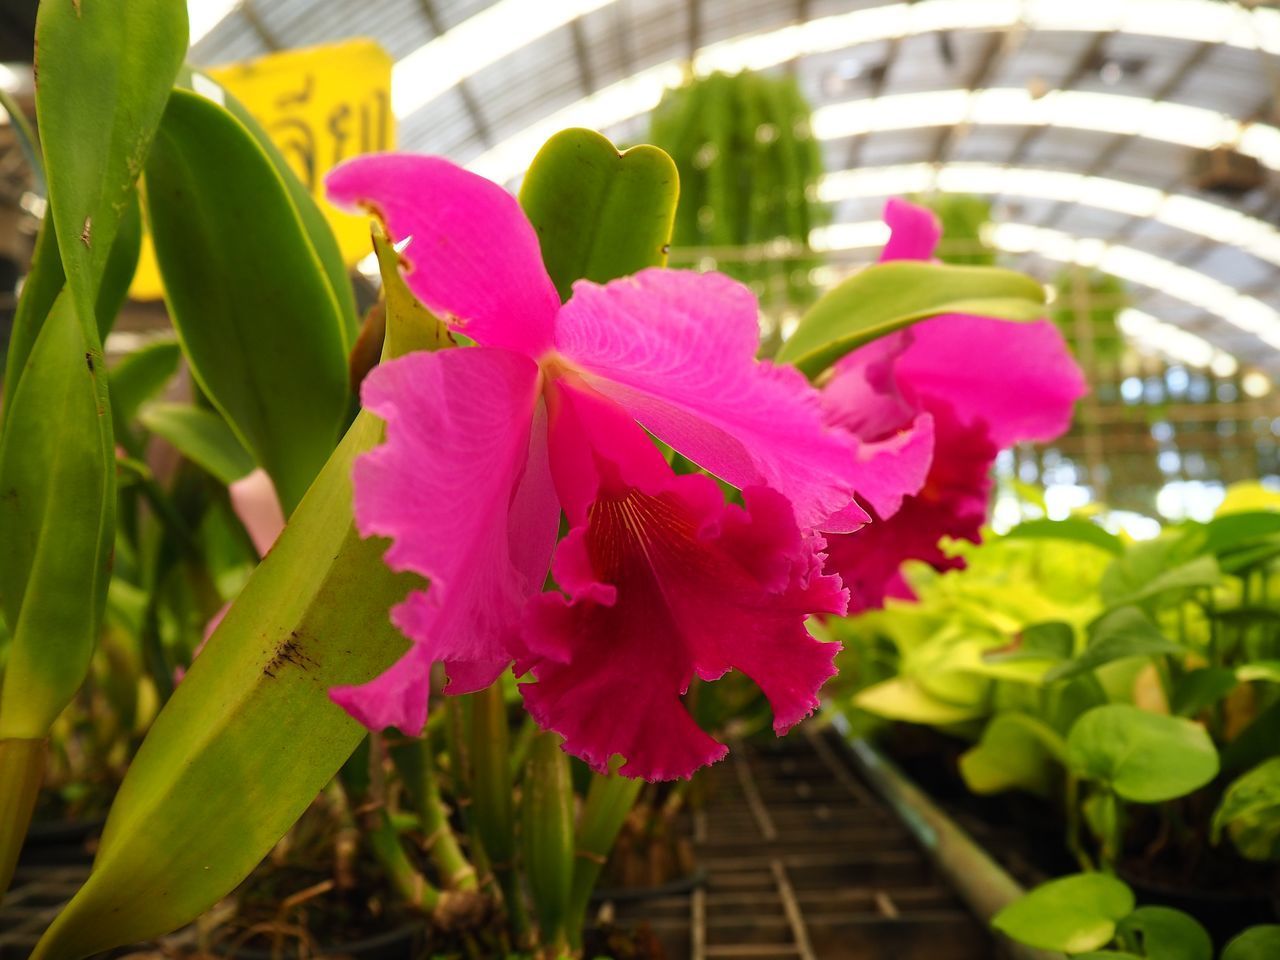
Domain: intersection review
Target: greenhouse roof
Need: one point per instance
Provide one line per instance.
(1087, 122)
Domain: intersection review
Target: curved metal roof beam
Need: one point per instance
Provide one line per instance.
(1183, 283)
(1198, 20)
(509, 25)
(1213, 221)
(1174, 123)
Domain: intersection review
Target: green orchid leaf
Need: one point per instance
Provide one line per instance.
(1163, 933)
(1257, 943)
(1123, 632)
(105, 72)
(628, 198)
(207, 796)
(202, 436)
(43, 283)
(1073, 528)
(140, 376)
(57, 501)
(1073, 914)
(1250, 812)
(318, 231)
(1017, 752)
(250, 300)
(1143, 757)
(122, 263)
(889, 296)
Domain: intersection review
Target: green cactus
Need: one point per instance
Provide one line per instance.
(749, 169)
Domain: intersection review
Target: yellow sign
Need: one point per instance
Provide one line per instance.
(320, 106)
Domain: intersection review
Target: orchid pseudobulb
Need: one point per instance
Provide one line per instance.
(958, 388)
(549, 411)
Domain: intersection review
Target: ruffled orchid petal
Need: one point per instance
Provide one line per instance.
(677, 350)
(462, 488)
(472, 255)
(896, 467)
(1017, 378)
(254, 501)
(914, 231)
(395, 698)
(668, 582)
(952, 504)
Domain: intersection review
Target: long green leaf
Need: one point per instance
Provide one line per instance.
(56, 512)
(253, 307)
(201, 436)
(122, 262)
(888, 296)
(140, 376)
(41, 287)
(104, 74)
(208, 794)
(318, 230)
(600, 214)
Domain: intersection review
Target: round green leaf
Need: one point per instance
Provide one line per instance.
(1166, 934)
(1144, 757)
(1072, 914)
(1016, 752)
(1256, 943)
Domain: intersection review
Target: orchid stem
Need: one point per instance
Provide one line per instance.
(414, 759)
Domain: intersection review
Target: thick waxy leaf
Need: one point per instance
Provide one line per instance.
(122, 261)
(1144, 757)
(1073, 528)
(252, 304)
(1250, 812)
(318, 230)
(40, 288)
(1124, 632)
(201, 436)
(889, 296)
(629, 200)
(208, 794)
(1163, 933)
(1073, 914)
(57, 501)
(104, 74)
(1016, 752)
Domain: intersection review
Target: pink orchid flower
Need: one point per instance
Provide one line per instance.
(947, 394)
(486, 445)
